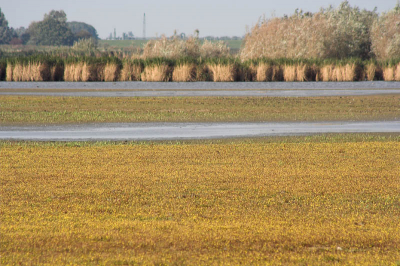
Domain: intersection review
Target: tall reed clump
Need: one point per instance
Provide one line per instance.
(131, 69)
(373, 71)
(111, 68)
(85, 68)
(157, 69)
(341, 70)
(80, 69)
(185, 70)
(29, 68)
(391, 70)
(330, 33)
(223, 69)
(385, 35)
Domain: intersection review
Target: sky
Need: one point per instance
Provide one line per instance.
(210, 17)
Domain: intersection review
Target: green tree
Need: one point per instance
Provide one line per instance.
(77, 27)
(6, 33)
(52, 30)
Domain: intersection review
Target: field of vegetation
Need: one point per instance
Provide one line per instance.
(304, 200)
(31, 110)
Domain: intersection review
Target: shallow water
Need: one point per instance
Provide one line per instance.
(202, 85)
(173, 131)
(157, 89)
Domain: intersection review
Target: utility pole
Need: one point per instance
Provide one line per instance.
(144, 26)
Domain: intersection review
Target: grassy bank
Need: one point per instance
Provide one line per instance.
(16, 110)
(316, 201)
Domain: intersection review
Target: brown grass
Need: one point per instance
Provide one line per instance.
(304, 73)
(111, 72)
(77, 71)
(157, 73)
(264, 72)
(353, 72)
(131, 72)
(223, 73)
(89, 72)
(370, 72)
(69, 72)
(184, 73)
(289, 73)
(397, 73)
(388, 73)
(328, 73)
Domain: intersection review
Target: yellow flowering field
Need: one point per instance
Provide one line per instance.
(229, 202)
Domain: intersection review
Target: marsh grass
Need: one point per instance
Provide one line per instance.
(58, 110)
(110, 68)
(132, 69)
(310, 200)
(157, 69)
(223, 69)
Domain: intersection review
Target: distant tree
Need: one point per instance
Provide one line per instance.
(83, 34)
(52, 30)
(77, 27)
(6, 33)
(57, 15)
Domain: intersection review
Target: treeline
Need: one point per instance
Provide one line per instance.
(53, 30)
(111, 68)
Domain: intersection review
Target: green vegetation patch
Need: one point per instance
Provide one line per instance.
(31, 110)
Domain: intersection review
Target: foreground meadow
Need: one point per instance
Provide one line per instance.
(30, 110)
(303, 200)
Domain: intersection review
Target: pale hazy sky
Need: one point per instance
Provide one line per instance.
(211, 17)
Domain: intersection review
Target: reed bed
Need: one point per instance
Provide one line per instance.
(223, 73)
(188, 69)
(33, 68)
(157, 70)
(184, 73)
(131, 70)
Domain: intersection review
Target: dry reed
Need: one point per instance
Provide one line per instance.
(184, 73)
(223, 72)
(264, 72)
(161, 73)
(388, 73)
(89, 72)
(328, 73)
(69, 72)
(370, 71)
(397, 73)
(289, 73)
(131, 72)
(111, 72)
(277, 73)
